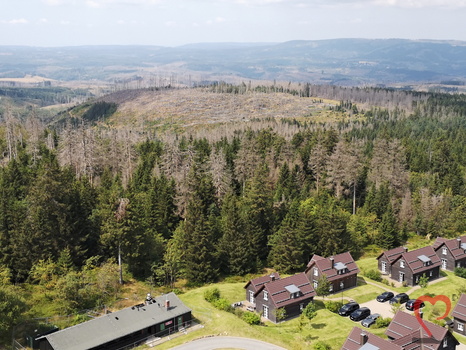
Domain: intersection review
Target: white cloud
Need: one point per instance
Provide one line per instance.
(65, 23)
(422, 3)
(106, 3)
(170, 24)
(16, 21)
(43, 20)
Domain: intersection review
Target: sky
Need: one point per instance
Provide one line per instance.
(53, 23)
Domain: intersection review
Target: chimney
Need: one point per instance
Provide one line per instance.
(332, 262)
(406, 249)
(167, 304)
(458, 240)
(272, 277)
(363, 339)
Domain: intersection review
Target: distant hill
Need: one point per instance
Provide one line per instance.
(339, 61)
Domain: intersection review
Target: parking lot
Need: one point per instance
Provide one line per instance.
(385, 309)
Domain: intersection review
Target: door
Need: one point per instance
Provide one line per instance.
(266, 311)
(251, 297)
(444, 264)
(384, 267)
(402, 277)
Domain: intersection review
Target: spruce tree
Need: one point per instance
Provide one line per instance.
(287, 244)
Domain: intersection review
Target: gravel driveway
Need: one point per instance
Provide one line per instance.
(379, 308)
(212, 343)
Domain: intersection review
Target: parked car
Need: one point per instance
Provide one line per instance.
(348, 308)
(399, 298)
(410, 304)
(370, 320)
(360, 314)
(385, 296)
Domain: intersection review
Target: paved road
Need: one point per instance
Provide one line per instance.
(212, 343)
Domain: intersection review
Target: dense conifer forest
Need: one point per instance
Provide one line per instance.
(269, 193)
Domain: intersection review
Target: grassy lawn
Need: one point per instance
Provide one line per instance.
(289, 334)
(286, 334)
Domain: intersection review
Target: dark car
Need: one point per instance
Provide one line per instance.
(370, 320)
(360, 314)
(399, 298)
(385, 296)
(410, 304)
(348, 308)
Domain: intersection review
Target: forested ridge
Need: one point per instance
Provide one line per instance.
(268, 194)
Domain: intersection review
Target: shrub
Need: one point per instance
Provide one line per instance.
(222, 304)
(280, 314)
(384, 281)
(460, 272)
(251, 318)
(333, 306)
(212, 294)
(320, 345)
(382, 322)
(310, 311)
(374, 275)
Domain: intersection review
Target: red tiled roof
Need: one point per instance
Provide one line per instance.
(353, 342)
(452, 244)
(325, 266)
(393, 254)
(438, 242)
(459, 311)
(417, 265)
(259, 281)
(281, 297)
(406, 329)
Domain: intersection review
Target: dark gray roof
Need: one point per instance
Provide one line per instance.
(112, 326)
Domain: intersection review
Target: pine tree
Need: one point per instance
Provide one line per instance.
(388, 231)
(234, 246)
(287, 244)
(199, 234)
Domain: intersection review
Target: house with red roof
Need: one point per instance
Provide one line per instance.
(459, 315)
(253, 285)
(406, 331)
(360, 339)
(341, 271)
(291, 293)
(451, 252)
(386, 259)
(409, 267)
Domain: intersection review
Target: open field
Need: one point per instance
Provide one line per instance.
(193, 108)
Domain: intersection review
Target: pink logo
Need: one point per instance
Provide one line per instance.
(432, 300)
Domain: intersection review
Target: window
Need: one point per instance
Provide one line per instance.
(445, 342)
(266, 295)
(301, 307)
(460, 326)
(265, 311)
(430, 273)
(402, 263)
(316, 284)
(330, 289)
(417, 279)
(316, 271)
(444, 251)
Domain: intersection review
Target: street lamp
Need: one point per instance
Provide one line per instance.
(341, 288)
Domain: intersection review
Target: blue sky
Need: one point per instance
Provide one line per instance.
(178, 22)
